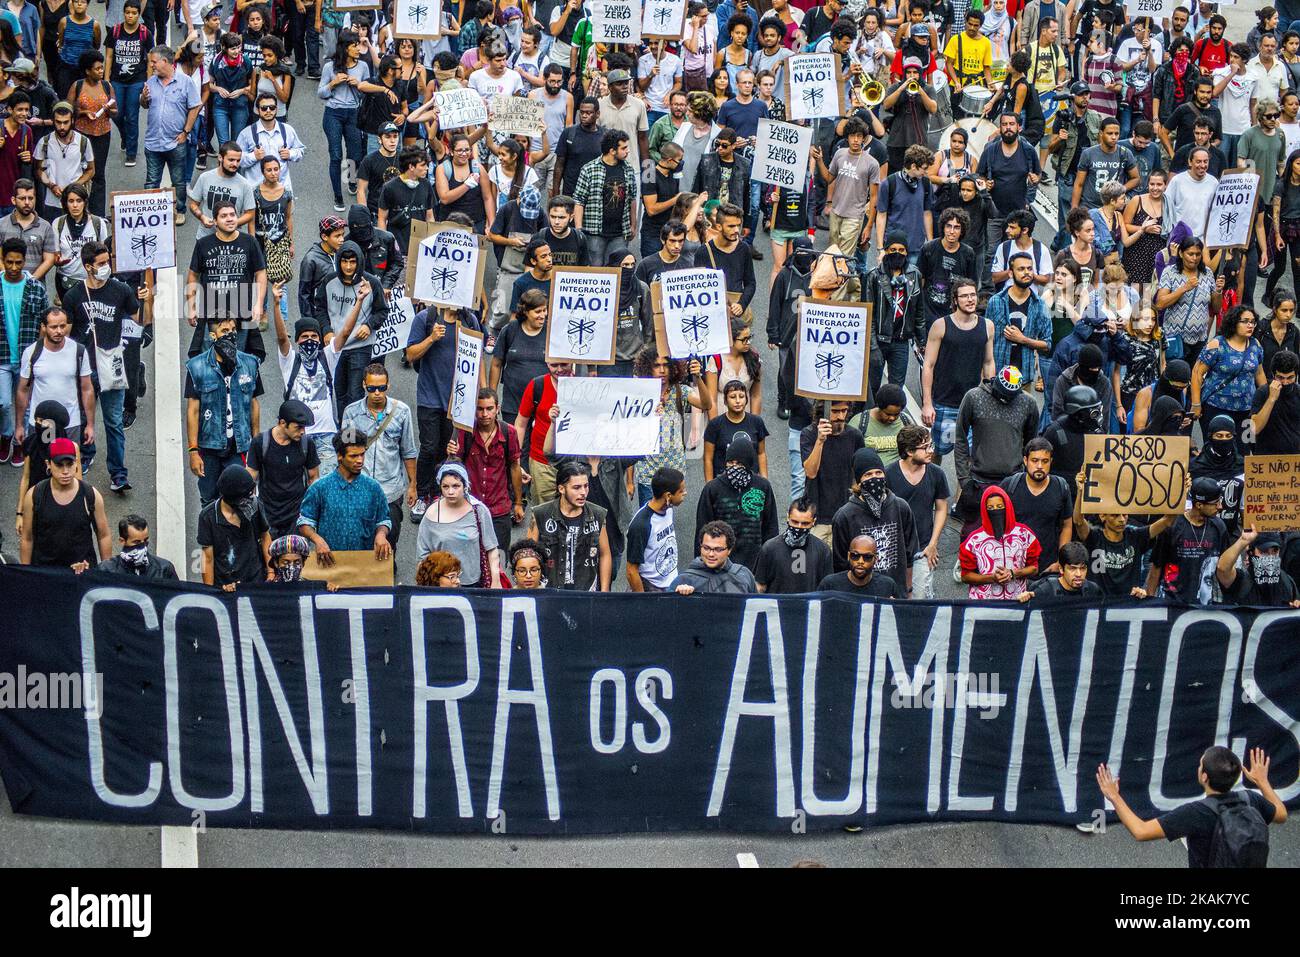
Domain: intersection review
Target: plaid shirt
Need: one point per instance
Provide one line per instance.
(35, 302)
(590, 195)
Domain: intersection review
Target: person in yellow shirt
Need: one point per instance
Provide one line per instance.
(968, 57)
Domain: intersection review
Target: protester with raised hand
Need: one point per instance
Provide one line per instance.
(1261, 581)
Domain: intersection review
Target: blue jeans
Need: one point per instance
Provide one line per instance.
(1125, 121)
(175, 159)
(229, 117)
(1229, 147)
(895, 354)
(8, 381)
(128, 115)
(329, 459)
(944, 430)
(213, 463)
(797, 478)
(755, 208)
(643, 494)
(110, 403)
(340, 128)
(1064, 196)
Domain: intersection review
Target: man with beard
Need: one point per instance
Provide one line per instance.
(1182, 121)
(861, 577)
(573, 532)
(1010, 169)
(1021, 325)
(958, 356)
(1185, 557)
(557, 104)
(232, 532)
(794, 561)
(743, 499)
(226, 280)
(1081, 416)
(1043, 501)
(826, 449)
(666, 126)
(1221, 461)
(876, 511)
(1262, 581)
(714, 573)
(1070, 581)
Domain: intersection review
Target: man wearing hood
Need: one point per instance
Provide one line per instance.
(222, 409)
(335, 301)
(317, 268)
(1091, 330)
(1174, 416)
(1220, 461)
(999, 557)
(743, 499)
(792, 281)
(383, 254)
(1275, 410)
(232, 533)
(872, 509)
(1082, 416)
(1089, 369)
(994, 421)
(892, 292)
(1261, 581)
(713, 572)
(1185, 557)
(135, 557)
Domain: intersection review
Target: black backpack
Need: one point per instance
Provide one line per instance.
(1240, 837)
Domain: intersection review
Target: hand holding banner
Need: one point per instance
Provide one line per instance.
(814, 87)
(517, 115)
(1135, 474)
(607, 416)
(831, 349)
(691, 313)
(460, 108)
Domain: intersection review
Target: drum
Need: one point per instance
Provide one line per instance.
(973, 99)
(978, 134)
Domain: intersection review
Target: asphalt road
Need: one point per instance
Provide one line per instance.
(26, 841)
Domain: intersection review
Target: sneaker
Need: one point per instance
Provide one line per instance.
(130, 162)
(6, 447)
(202, 162)
(299, 70)
(128, 420)
(853, 828)
(86, 463)
(314, 75)
(338, 206)
(418, 509)
(120, 485)
(754, 253)
(180, 218)
(16, 457)
(783, 413)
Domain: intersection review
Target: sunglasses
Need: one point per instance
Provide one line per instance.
(376, 388)
(265, 106)
(862, 556)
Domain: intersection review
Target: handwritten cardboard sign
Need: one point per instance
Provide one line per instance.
(458, 109)
(607, 416)
(1272, 493)
(394, 333)
(351, 569)
(517, 115)
(1135, 474)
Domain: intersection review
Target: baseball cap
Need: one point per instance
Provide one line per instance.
(618, 76)
(1205, 489)
(22, 65)
(912, 61)
(61, 449)
(331, 223)
(295, 412)
(1078, 88)
(1268, 540)
(388, 128)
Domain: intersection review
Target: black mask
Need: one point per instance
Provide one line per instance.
(1088, 375)
(226, 347)
(998, 520)
(1223, 450)
(1087, 420)
(894, 262)
(1289, 390)
(309, 350)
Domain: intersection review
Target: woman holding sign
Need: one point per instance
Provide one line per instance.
(1229, 370)
(676, 397)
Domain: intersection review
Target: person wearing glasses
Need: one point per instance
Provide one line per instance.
(269, 136)
(713, 572)
(861, 577)
(386, 428)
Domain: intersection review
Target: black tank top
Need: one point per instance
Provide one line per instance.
(63, 535)
(960, 365)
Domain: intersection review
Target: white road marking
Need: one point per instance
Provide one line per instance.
(746, 859)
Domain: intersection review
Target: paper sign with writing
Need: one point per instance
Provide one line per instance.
(582, 321)
(448, 267)
(691, 310)
(458, 109)
(352, 569)
(831, 349)
(1159, 9)
(607, 416)
(517, 115)
(144, 230)
(1232, 211)
(417, 19)
(1272, 493)
(814, 87)
(1135, 474)
(615, 21)
(663, 19)
(781, 154)
(463, 401)
(394, 333)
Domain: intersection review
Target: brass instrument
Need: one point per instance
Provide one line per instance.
(873, 92)
(913, 87)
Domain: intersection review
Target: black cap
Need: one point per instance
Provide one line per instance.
(305, 324)
(235, 483)
(1078, 88)
(1205, 489)
(1267, 540)
(296, 412)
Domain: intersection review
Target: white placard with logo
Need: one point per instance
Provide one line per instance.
(814, 87)
(1159, 9)
(394, 333)
(582, 321)
(144, 230)
(695, 315)
(463, 401)
(458, 109)
(447, 268)
(615, 21)
(663, 19)
(781, 154)
(417, 19)
(1232, 211)
(607, 416)
(834, 339)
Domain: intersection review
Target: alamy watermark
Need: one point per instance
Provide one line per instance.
(38, 690)
(959, 689)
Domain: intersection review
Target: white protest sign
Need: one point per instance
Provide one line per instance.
(607, 416)
(463, 401)
(833, 341)
(417, 19)
(781, 154)
(1159, 9)
(460, 108)
(1232, 211)
(813, 86)
(582, 321)
(615, 21)
(144, 230)
(447, 268)
(394, 333)
(695, 316)
(663, 19)
(513, 115)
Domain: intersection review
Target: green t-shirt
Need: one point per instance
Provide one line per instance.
(882, 438)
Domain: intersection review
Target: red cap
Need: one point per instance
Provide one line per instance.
(62, 449)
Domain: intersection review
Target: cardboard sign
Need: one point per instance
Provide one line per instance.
(814, 87)
(781, 154)
(615, 21)
(582, 321)
(691, 315)
(394, 333)
(463, 401)
(831, 349)
(607, 416)
(351, 569)
(1232, 211)
(144, 230)
(417, 19)
(663, 20)
(446, 266)
(1135, 474)
(1272, 493)
(513, 115)
(458, 109)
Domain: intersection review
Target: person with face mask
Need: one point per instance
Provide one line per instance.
(1275, 410)
(335, 301)
(1261, 581)
(894, 294)
(222, 386)
(1175, 415)
(381, 252)
(1088, 370)
(791, 282)
(794, 561)
(742, 498)
(873, 509)
(1221, 460)
(1094, 329)
(1185, 557)
(999, 557)
(635, 314)
(233, 533)
(288, 555)
(1082, 416)
(135, 557)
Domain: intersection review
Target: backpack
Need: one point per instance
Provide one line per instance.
(1240, 837)
(293, 377)
(39, 346)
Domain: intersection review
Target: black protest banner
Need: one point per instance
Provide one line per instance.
(554, 713)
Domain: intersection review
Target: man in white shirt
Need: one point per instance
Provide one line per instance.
(1139, 56)
(56, 367)
(1235, 89)
(62, 158)
(658, 77)
(496, 78)
(558, 104)
(267, 136)
(1190, 193)
(1269, 73)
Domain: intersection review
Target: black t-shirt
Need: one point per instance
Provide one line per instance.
(1196, 822)
(377, 169)
(1183, 120)
(226, 272)
(403, 204)
(1244, 590)
(1281, 436)
(1043, 513)
(570, 250)
(1062, 122)
(1188, 554)
(577, 147)
(721, 430)
(1117, 566)
(830, 489)
(775, 567)
(937, 267)
(877, 586)
(509, 222)
(919, 497)
(192, 393)
(650, 268)
(106, 307)
(129, 51)
(281, 475)
(236, 549)
(523, 359)
(791, 209)
(1050, 587)
(666, 186)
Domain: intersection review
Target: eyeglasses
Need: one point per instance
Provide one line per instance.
(744, 338)
(377, 388)
(862, 556)
(1269, 116)
(714, 549)
(265, 106)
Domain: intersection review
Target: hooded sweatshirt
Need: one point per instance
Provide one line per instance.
(384, 257)
(730, 579)
(750, 510)
(794, 280)
(335, 298)
(1000, 431)
(983, 552)
(314, 271)
(894, 530)
(1227, 469)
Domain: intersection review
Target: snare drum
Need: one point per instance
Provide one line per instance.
(973, 99)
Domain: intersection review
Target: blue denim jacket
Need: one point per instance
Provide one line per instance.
(210, 384)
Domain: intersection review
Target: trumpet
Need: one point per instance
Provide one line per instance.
(913, 87)
(873, 92)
